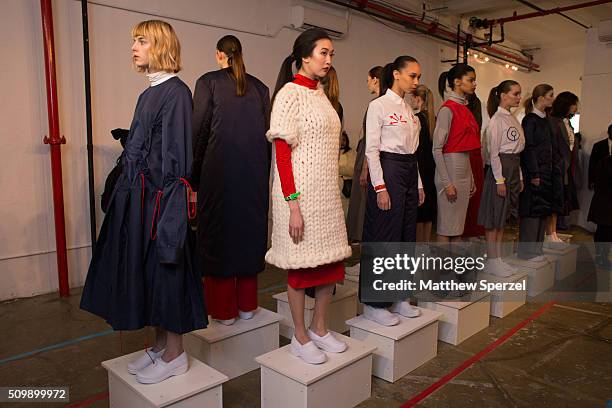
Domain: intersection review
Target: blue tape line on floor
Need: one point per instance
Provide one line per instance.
(92, 336)
(55, 346)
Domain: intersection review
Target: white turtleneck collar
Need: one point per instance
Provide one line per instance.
(538, 112)
(156, 78)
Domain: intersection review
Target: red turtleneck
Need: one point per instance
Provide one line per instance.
(283, 150)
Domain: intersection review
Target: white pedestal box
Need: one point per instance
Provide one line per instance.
(232, 349)
(505, 302)
(402, 348)
(541, 275)
(566, 260)
(343, 306)
(198, 387)
(344, 380)
(461, 319)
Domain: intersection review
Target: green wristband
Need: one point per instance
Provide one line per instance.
(293, 196)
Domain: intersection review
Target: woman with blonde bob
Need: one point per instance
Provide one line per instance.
(142, 271)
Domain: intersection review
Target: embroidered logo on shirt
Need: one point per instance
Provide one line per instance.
(512, 134)
(395, 119)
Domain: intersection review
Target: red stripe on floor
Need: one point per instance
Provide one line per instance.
(84, 403)
(469, 362)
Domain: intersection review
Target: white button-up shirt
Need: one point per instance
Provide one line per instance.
(504, 135)
(390, 127)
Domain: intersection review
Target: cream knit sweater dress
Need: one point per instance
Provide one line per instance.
(306, 120)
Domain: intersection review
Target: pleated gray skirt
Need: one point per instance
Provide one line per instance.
(451, 216)
(495, 211)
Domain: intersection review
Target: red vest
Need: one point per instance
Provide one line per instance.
(464, 134)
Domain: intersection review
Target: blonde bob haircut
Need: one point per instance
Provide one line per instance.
(165, 49)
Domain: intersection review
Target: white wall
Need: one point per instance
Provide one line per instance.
(27, 260)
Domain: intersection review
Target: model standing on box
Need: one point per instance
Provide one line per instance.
(395, 190)
(455, 135)
(231, 171)
(308, 233)
(142, 272)
(536, 166)
(503, 180)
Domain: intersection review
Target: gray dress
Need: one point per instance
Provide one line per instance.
(451, 168)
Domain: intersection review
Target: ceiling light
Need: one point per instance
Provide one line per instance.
(508, 66)
(487, 59)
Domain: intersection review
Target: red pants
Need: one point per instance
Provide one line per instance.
(225, 296)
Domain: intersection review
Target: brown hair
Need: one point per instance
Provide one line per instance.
(331, 87)
(426, 95)
(539, 90)
(495, 95)
(230, 46)
(165, 49)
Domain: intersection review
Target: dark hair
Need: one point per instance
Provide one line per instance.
(458, 71)
(562, 104)
(610, 130)
(539, 90)
(475, 106)
(375, 72)
(344, 137)
(386, 76)
(231, 47)
(495, 95)
(303, 47)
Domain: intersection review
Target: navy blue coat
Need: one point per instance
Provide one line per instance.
(537, 162)
(231, 172)
(143, 271)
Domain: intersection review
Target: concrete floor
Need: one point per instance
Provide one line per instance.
(563, 358)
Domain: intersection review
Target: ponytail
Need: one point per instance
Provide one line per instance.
(303, 47)
(495, 95)
(442, 83)
(493, 101)
(232, 48)
(458, 71)
(285, 75)
(539, 90)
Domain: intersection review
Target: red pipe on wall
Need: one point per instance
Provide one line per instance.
(548, 12)
(55, 141)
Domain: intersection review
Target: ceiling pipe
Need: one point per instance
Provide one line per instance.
(556, 10)
(433, 29)
(533, 6)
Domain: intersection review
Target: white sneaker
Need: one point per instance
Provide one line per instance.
(227, 322)
(496, 267)
(144, 361)
(328, 342)
(539, 258)
(160, 370)
(246, 315)
(380, 315)
(405, 309)
(308, 352)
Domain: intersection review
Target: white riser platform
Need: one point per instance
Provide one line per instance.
(505, 302)
(198, 387)
(565, 260)
(344, 380)
(541, 275)
(462, 319)
(402, 348)
(342, 307)
(232, 349)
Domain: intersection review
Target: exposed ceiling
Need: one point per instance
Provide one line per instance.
(547, 31)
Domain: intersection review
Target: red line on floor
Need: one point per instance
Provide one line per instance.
(86, 402)
(469, 362)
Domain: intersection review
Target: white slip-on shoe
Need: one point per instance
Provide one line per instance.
(160, 370)
(496, 267)
(539, 258)
(308, 352)
(328, 342)
(405, 309)
(380, 315)
(143, 361)
(246, 315)
(227, 322)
